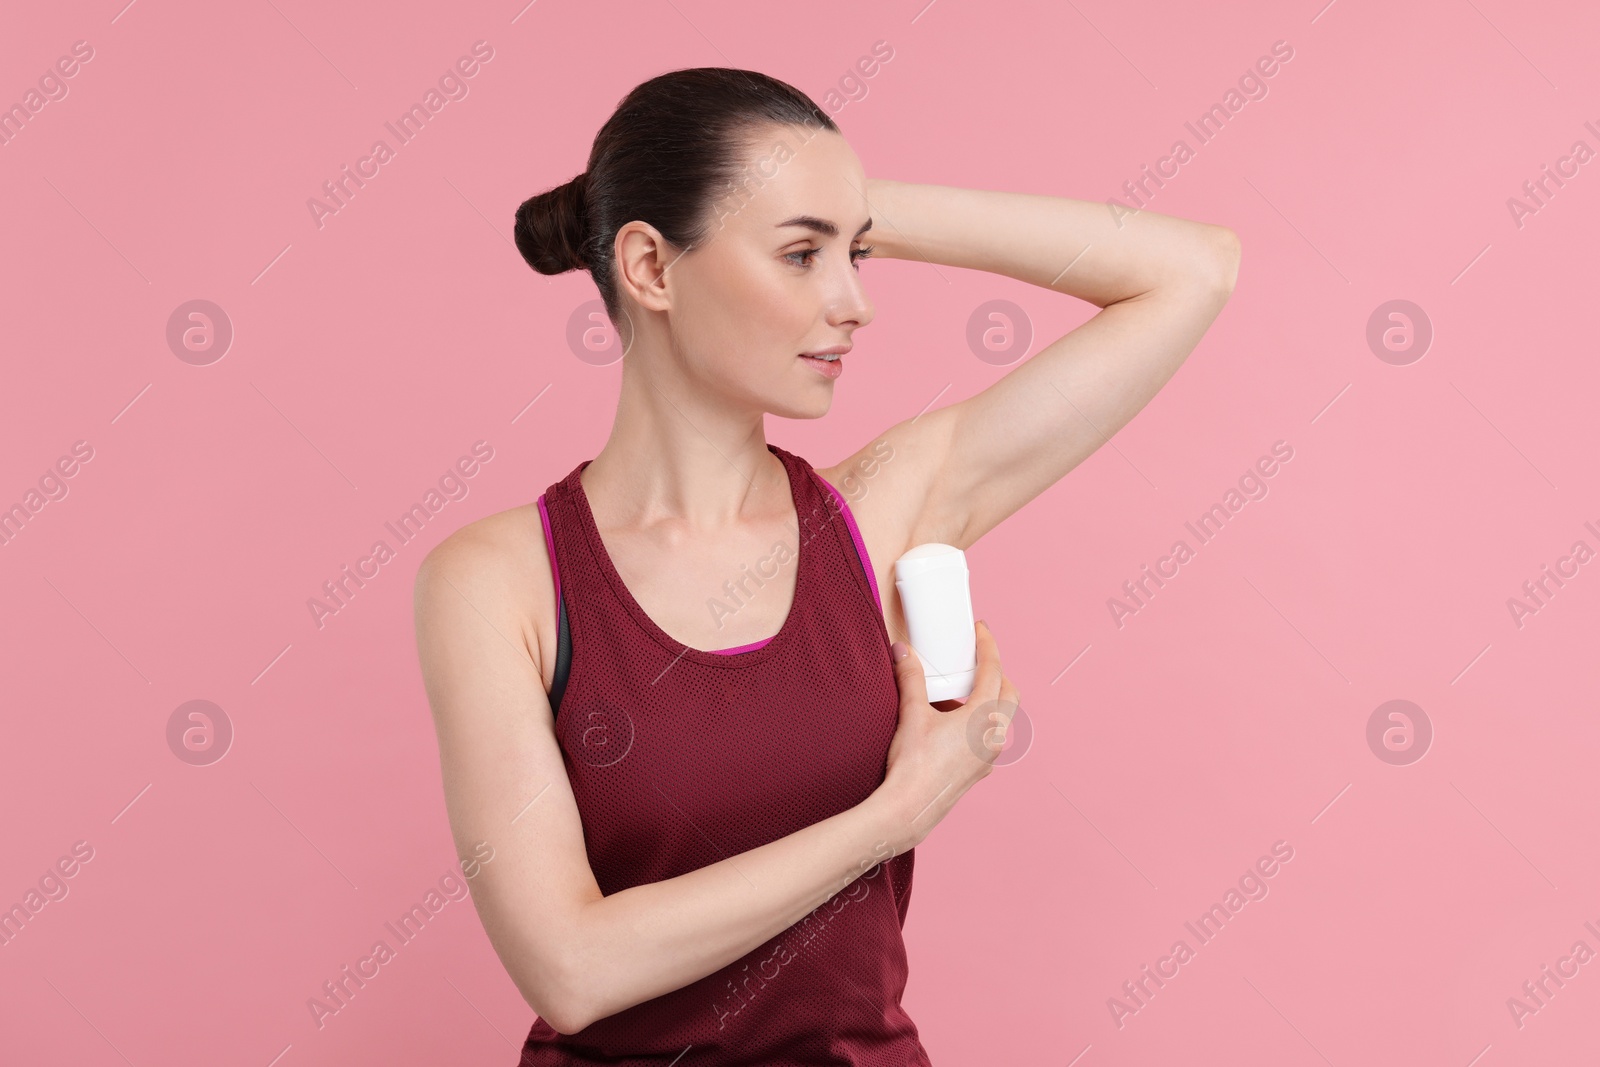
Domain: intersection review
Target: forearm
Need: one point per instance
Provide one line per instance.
(651, 939)
(1071, 246)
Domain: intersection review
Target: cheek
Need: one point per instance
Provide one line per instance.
(752, 312)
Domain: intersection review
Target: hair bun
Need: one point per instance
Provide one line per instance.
(552, 228)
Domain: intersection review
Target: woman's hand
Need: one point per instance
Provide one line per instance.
(937, 755)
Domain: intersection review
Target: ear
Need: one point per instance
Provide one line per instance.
(643, 258)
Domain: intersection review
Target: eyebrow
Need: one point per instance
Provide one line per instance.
(822, 226)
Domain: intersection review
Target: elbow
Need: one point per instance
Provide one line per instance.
(1224, 260)
(560, 1008)
(558, 997)
(564, 1024)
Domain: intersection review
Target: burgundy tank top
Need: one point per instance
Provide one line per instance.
(681, 757)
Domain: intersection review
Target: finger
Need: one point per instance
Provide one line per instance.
(986, 682)
(989, 721)
(908, 674)
(1009, 697)
(1005, 707)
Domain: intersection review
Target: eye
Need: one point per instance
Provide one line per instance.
(805, 255)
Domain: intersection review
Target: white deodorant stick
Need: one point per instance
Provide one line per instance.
(932, 580)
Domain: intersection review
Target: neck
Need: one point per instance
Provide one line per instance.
(679, 451)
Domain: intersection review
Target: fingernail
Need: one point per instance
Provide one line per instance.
(986, 625)
(899, 651)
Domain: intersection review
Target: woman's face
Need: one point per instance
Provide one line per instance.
(769, 282)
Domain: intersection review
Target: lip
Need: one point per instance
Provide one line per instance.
(836, 350)
(828, 368)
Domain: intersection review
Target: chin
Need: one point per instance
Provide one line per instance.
(809, 407)
(815, 411)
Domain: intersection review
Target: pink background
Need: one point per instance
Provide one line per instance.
(1230, 713)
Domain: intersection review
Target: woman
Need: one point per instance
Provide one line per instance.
(667, 693)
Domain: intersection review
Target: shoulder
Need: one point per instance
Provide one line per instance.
(496, 567)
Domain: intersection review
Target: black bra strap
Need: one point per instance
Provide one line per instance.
(558, 684)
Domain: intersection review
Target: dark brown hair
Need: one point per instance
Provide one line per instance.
(674, 145)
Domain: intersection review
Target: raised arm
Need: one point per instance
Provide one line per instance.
(575, 955)
(1160, 282)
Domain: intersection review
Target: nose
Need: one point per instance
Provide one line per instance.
(849, 305)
